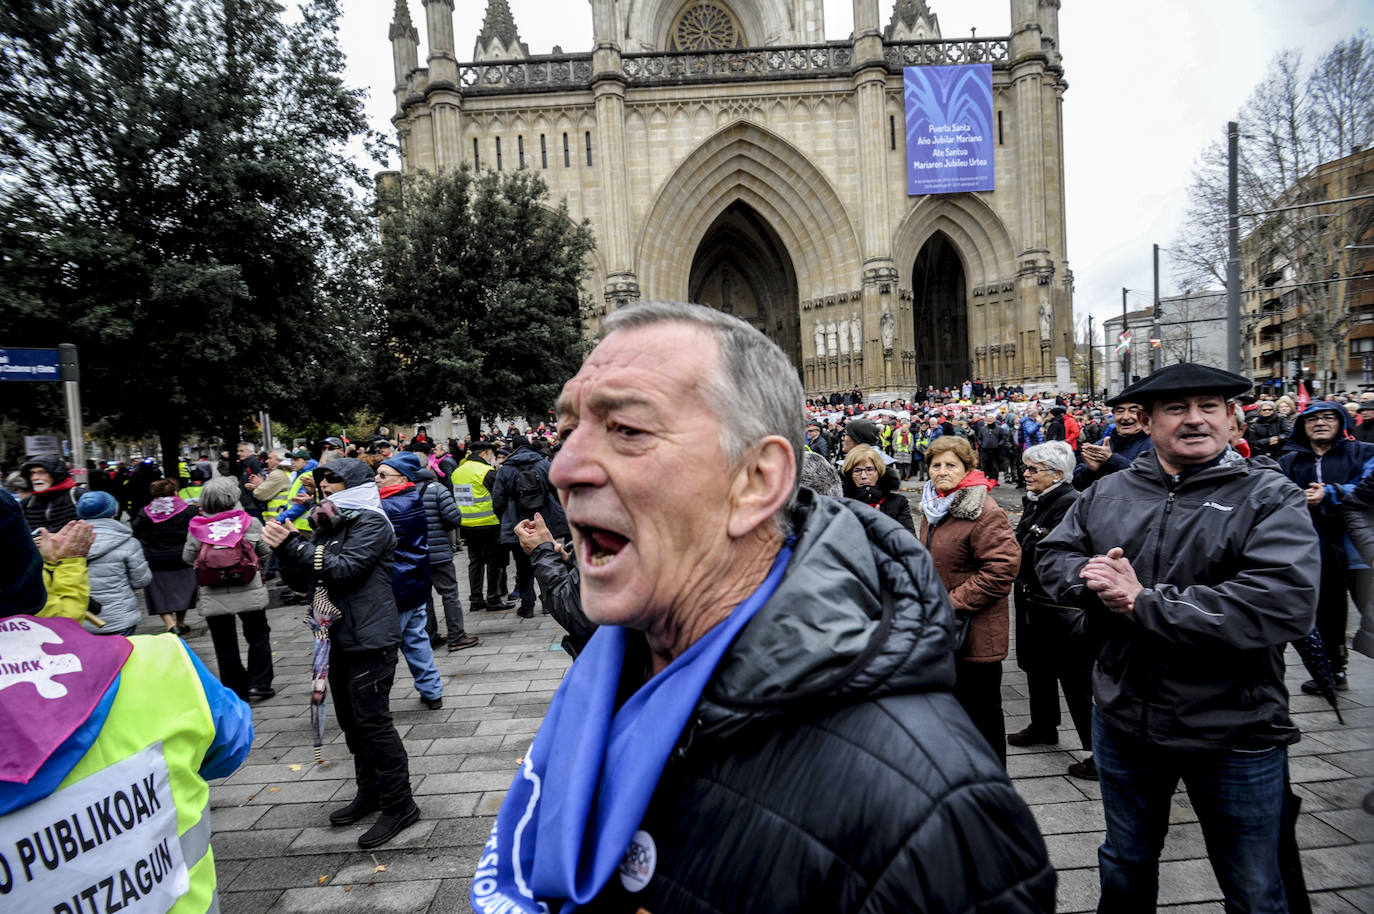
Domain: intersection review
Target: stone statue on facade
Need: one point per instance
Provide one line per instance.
(832, 339)
(856, 328)
(844, 337)
(820, 340)
(1046, 322)
(887, 326)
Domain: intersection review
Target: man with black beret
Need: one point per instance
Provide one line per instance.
(1196, 568)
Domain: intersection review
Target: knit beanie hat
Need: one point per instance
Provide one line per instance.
(96, 504)
(403, 463)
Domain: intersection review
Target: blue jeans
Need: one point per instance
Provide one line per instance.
(419, 653)
(1239, 799)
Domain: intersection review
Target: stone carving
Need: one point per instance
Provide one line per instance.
(1046, 322)
(820, 340)
(844, 337)
(856, 327)
(832, 339)
(888, 327)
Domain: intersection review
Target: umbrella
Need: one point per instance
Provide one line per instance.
(1312, 650)
(322, 615)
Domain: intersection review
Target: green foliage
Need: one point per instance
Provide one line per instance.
(482, 284)
(179, 203)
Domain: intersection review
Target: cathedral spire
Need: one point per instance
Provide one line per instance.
(499, 37)
(912, 20)
(401, 26)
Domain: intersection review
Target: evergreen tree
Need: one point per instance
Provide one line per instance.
(482, 284)
(178, 201)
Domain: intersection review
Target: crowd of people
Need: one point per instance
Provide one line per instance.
(756, 601)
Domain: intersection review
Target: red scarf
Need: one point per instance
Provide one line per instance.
(62, 486)
(388, 491)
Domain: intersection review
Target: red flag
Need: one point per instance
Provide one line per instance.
(1303, 398)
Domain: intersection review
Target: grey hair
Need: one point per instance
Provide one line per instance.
(1053, 455)
(818, 475)
(219, 494)
(754, 390)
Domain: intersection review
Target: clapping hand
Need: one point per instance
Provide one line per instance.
(72, 541)
(1113, 579)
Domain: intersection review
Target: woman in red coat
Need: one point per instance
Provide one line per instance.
(977, 556)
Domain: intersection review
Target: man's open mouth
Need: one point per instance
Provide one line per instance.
(602, 545)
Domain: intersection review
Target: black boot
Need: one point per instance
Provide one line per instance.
(360, 807)
(388, 826)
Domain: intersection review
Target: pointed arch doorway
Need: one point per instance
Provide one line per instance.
(940, 315)
(742, 268)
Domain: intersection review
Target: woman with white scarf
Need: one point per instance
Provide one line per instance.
(977, 557)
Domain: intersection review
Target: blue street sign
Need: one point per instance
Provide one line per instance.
(29, 365)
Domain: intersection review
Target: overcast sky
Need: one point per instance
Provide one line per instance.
(1150, 84)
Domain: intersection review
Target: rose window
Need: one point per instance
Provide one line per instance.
(705, 27)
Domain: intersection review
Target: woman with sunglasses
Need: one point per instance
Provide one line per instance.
(351, 557)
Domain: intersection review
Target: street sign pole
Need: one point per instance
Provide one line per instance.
(71, 386)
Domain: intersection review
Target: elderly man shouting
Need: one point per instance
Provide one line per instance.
(763, 720)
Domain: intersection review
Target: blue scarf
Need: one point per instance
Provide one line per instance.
(586, 782)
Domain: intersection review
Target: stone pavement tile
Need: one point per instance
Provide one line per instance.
(403, 866)
(499, 676)
(1360, 764)
(1314, 832)
(253, 844)
(518, 698)
(534, 709)
(1334, 903)
(498, 686)
(1073, 850)
(1187, 881)
(1039, 764)
(297, 792)
(490, 802)
(1059, 818)
(490, 761)
(1306, 769)
(287, 872)
(1362, 898)
(1357, 824)
(485, 712)
(511, 666)
(440, 730)
(321, 839)
(1078, 890)
(458, 745)
(1343, 794)
(365, 898)
(1338, 868)
(297, 815)
(247, 902)
(235, 818)
(452, 897)
(1349, 739)
(465, 782)
(523, 725)
(1047, 790)
(449, 806)
(466, 832)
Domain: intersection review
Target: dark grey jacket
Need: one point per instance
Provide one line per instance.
(1229, 562)
(441, 512)
(827, 766)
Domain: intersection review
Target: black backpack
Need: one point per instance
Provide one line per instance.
(529, 490)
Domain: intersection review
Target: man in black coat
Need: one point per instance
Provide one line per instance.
(767, 698)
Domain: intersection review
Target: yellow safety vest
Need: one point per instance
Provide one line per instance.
(144, 735)
(183, 470)
(191, 494)
(898, 447)
(302, 522)
(276, 504)
(474, 501)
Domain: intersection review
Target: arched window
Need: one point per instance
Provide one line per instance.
(704, 25)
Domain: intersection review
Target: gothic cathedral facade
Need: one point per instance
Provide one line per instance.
(726, 153)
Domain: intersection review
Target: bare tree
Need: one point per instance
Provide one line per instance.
(1295, 122)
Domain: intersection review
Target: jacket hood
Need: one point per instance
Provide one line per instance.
(1299, 434)
(846, 624)
(110, 534)
(525, 456)
(56, 467)
(351, 470)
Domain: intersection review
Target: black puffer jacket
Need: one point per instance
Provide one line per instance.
(359, 548)
(827, 767)
(1041, 623)
(1230, 566)
(50, 509)
(1357, 509)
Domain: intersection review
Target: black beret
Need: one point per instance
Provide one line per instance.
(1183, 379)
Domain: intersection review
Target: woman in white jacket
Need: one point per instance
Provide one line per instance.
(116, 565)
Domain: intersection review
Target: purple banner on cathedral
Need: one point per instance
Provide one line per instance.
(949, 135)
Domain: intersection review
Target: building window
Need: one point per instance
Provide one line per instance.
(567, 160)
(1359, 347)
(498, 153)
(543, 151)
(999, 128)
(892, 132)
(589, 149)
(705, 26)
(476, 154)
(520, 147)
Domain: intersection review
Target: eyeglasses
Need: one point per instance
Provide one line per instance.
(1323, 419)
(1035, 470)
(384, 474)
(330, 478)
(866, 471)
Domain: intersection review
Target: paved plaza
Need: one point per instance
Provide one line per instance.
(276, 852)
